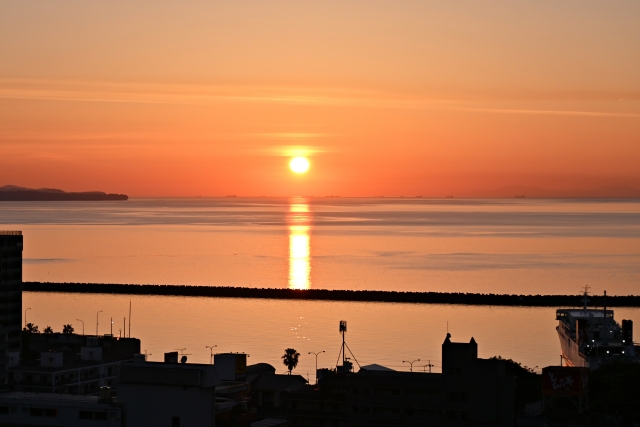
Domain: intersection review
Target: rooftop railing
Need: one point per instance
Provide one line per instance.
(10, 233)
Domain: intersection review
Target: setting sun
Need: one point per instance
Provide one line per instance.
(299, 164)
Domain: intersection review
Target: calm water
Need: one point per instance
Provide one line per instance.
(383, 333)
(513, 246)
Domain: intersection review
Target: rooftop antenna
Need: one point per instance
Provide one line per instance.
(181, 353)
(604, 302)
(343, 331)
(129, 318)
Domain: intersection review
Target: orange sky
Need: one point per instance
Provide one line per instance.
(386, 98)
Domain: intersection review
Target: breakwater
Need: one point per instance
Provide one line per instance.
(337, 295)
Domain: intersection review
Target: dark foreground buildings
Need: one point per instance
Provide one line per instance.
(10, 298)
(469, 391)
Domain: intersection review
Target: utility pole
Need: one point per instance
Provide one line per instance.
(428, 365)
(97, 323)
(25, 317)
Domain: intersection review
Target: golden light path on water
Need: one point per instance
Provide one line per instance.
(299, 246)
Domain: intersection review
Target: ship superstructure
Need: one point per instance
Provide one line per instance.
(591, 337)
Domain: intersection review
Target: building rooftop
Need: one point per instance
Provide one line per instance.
(277, 382)
(10, 233)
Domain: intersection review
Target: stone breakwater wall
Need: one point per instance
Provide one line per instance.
(336, 295)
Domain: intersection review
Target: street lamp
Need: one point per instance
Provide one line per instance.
(311, 352)
(25, 317)
(97, 315)
(211, 347)
(411, 363)
(80, 320)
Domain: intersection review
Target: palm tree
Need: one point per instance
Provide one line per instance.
(67, 329)
(48, 330)
(31, 328)
(290, 359)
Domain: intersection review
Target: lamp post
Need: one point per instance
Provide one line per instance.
(80, 320)
(316, 354)
(211, 347)
(411, 363)
(25, 316)
(97, 315)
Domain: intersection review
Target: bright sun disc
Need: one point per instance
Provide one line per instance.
(299, 164)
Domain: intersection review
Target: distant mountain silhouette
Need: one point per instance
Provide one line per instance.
(12, 193)
(612, 192)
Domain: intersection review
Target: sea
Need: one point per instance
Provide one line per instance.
(514, 246)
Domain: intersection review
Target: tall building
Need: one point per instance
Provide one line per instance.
(10, 297)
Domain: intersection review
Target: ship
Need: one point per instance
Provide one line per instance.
(591, 337)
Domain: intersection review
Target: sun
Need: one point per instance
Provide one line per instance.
(299, 164)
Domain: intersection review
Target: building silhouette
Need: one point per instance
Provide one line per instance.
(10, 298)
(469, 391)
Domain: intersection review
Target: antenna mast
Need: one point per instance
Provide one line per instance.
(344, 347)
(585, 298)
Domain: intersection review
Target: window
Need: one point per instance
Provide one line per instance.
(4, 409)
(36, 412)
(51, 413)
(175, 421)
(85, 415)
(100, 416)
(457, 396)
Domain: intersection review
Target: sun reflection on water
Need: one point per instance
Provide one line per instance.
(299, 246)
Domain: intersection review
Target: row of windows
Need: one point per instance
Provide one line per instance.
(392, 392)
(34, 412)
(92, 415)
(53, 413)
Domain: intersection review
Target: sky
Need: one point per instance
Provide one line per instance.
(212, 98)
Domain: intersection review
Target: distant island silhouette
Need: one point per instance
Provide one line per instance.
(522, 191)
(12, 193)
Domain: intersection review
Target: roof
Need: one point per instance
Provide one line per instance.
(376, 367)
(278, 382)
(259, 368)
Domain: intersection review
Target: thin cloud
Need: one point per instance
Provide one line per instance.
(207, 94)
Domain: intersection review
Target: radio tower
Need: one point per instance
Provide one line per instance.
(346, 364)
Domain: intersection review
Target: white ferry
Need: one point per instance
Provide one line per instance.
(591, 337)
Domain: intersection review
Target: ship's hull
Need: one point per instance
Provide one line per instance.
(570, 351)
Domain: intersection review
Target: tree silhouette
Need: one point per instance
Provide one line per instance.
(290, 359)
(67, 329)
(48, 330)
(31, 328)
